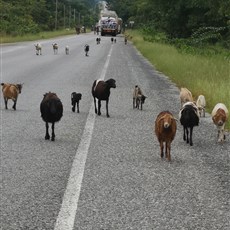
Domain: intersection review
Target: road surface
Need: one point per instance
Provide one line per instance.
(103, 173)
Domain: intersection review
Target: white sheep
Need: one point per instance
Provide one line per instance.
(201, 104)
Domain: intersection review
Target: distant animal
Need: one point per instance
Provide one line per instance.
(55, 48)
(38, 48)
(75, 98)
(101, 91)
(98, 40)
(165, 130)
(189, 117)
(112, 40)
(220, 116)
(185, 96)
(125, 40)
(11, 91)
(51, 109)
(115, 40)
(138, 98)
(201, 104)
(86, 50)
(67, 50)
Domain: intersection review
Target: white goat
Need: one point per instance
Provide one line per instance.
(38, 48)
(201, 104)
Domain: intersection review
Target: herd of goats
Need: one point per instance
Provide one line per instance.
(51, 109)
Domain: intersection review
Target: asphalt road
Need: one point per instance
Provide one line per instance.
(103, 173)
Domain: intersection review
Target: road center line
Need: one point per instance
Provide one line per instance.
(67, 213)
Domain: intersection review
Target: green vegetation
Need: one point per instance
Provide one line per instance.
(32, 37)
(202, 74)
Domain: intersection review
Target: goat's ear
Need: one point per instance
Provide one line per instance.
(2, 84)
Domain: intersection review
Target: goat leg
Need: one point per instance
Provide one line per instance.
(6, 100)
(107, 107)
(187, 137)
(162, 149)
(77, 106)
(53, 135)
(47, 137)
(14, 105)
(167, 152)
(95, 105)
(184, 137)
(191, 129)
(99, 107)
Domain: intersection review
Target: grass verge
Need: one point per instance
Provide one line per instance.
(201, 74)
(32, 37)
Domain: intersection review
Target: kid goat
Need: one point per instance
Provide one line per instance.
(11, 91)
(138, 97)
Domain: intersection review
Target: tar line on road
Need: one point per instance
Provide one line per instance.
(67, 213)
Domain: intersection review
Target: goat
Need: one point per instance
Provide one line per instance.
(125, 40)
(201, 104)
(55, 48)
(75, 98)
(11, 91)
(38, 48)
(112, 40)
(185, 96)
(51, 109)
(86, 49)
(165, 130)
(101, 91)
(67, 50)
(189, 117)
(98, 40)
(138, 97)
(219, 117)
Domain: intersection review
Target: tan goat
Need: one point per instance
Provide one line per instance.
(11, 91)
(185, 96)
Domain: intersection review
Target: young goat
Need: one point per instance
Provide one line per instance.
(189, 117)
(165, 130)
(55, 48)
(75, 98)
(86, 50)
(185, 96)
(219, 117)
(51, 111)
(138, 97)
(67, 50)
(201, 104)
(11, 91)
(38, 48)
(101, 91)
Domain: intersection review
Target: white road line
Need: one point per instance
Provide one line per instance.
(66, 216)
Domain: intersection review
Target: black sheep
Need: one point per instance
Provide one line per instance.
(75, 98)
(51, 111)
(189, 118)
(101, 91)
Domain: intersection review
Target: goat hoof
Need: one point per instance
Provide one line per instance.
(108, 115)
(47, 137)
(52, 139)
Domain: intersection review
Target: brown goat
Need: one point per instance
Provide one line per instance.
(11, 91)
(165, 130)
(220, 117)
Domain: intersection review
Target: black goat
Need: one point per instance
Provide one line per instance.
(86, 50)
(101, 91)
(75, 98)
(189, 118)
(51, 111)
